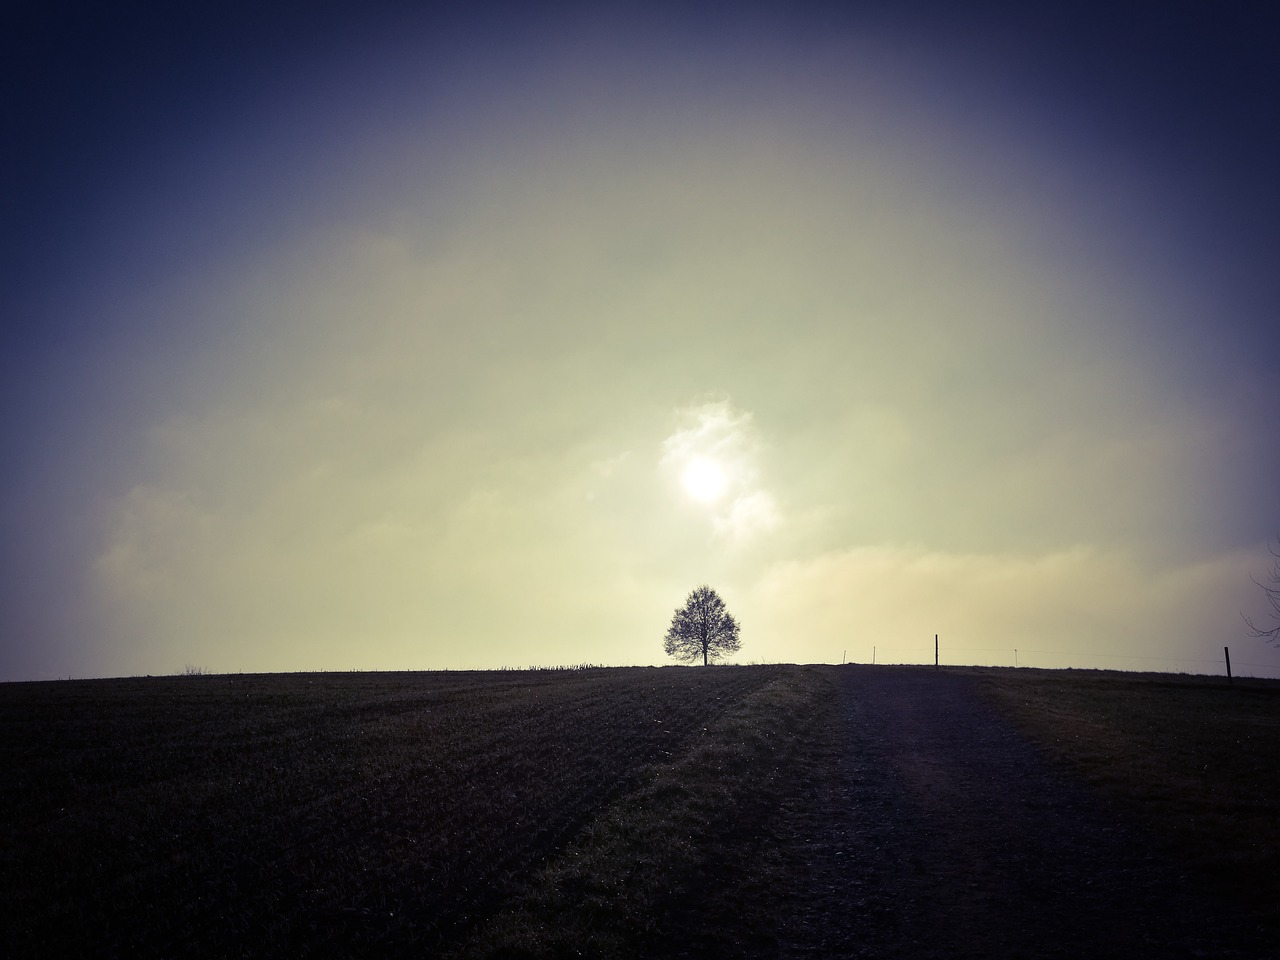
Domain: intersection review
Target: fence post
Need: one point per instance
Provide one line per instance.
(1227, 652)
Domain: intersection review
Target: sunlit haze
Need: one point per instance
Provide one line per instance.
(406, 340)
(704, 479)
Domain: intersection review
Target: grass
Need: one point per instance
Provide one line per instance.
(365, 813)
(1192, 759)
(625, 886)
(516, 813)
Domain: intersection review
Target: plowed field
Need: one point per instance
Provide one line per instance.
(732, 811)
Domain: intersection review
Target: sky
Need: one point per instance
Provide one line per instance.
(406, 336)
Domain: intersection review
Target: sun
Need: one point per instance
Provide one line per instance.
(704, 479)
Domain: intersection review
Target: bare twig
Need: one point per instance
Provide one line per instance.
(1272, 590)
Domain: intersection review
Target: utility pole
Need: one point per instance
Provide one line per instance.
(935, 651)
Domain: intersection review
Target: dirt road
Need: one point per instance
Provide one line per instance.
(945, 834)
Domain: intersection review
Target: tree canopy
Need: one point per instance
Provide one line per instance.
(702, 628)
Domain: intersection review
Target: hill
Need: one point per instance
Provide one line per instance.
(614, 810)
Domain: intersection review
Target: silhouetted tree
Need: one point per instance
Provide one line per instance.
(1272, 589)
(702, 628)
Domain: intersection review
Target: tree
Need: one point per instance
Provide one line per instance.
(1272, 589)
(702, 628)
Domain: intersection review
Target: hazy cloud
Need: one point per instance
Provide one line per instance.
(428, 394)
(1081, 606)
(715, 435)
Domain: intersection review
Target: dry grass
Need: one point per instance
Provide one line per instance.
(1193, 759)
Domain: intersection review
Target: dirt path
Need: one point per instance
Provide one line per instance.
(945, 834)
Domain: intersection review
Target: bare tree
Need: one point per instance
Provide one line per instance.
(1272, 589)
(702, 628)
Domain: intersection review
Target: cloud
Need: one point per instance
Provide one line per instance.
(435, 407)
(1081, 606)
(715, 432)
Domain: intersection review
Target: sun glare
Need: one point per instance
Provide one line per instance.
(704, 479)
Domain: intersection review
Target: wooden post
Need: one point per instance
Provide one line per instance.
(1227, 652)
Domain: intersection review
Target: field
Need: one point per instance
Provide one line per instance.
(1194, 758)
(526, 813)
